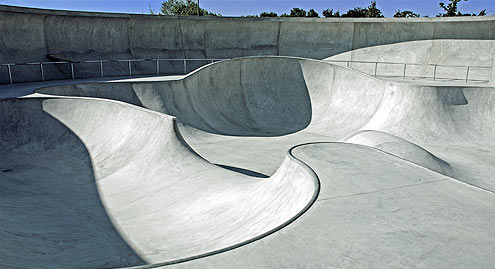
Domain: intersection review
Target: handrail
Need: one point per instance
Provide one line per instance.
(404, 75)
(379, 62)
(469, 68)
(129, 66)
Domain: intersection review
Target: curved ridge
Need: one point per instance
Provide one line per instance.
(335, 103)
(402, 148)
(254, 239)
(134, 162)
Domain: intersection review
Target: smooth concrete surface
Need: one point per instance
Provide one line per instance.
(452, 56)
(32, 35)
(95, 183)
(375, 211)
(402, 173)
(293, 100)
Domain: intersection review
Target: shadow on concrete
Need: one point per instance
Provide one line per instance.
(51, 214)
(243, 171)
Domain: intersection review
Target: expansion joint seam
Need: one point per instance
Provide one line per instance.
(382, 190)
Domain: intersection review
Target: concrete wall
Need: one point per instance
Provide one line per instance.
(479, 55)
(32, 34)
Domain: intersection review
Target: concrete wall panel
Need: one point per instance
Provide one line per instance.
(33, 34)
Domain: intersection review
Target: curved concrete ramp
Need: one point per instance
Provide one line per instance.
(313, 101)
(420, 192)
(95, 183)
(318, 101)
(402, 149)
(253, 96)
(375, 211)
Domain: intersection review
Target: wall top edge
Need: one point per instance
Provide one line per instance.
(39, 11)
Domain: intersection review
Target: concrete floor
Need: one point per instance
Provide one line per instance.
(271, 162)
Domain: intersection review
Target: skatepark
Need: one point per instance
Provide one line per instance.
(305, 143)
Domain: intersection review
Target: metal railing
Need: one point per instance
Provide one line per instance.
(404, 68)
(100, 66)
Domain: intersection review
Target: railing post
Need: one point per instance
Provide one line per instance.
(376, 68)
(130, 69)
(405, 66)
(42, 74)
(72, 70)
(185, 67)
(157, 67)
(10, 74)
(101, 68)
(348, 63)
(467, 74)
(212, 60)
(435, 73)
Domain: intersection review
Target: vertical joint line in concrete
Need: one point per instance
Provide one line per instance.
(278, 37)
(10, 74)
(130, 68)
(41, 70)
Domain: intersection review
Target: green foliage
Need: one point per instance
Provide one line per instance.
(451, 10)
(357, 12)
(313, 14)
(184, 8)
(151, 11)
(190, 7)
(297, 12)
(328, 13)
(372, 11)
(268, 14)
(406, 14)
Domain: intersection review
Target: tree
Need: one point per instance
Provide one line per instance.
(328, 13)
(357, 12)
(406, 14)
(151, 11)
(183, 8)
(297, 12)
(373, 12)
(451, 10)
(370, 12)
(313, 14)
(270, 14)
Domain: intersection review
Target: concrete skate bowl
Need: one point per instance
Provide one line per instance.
(247, 96)
(294, 100)
(99, 183)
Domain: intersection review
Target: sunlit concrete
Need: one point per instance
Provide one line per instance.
(401, 172)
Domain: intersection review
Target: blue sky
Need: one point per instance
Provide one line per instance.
(247, 7)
